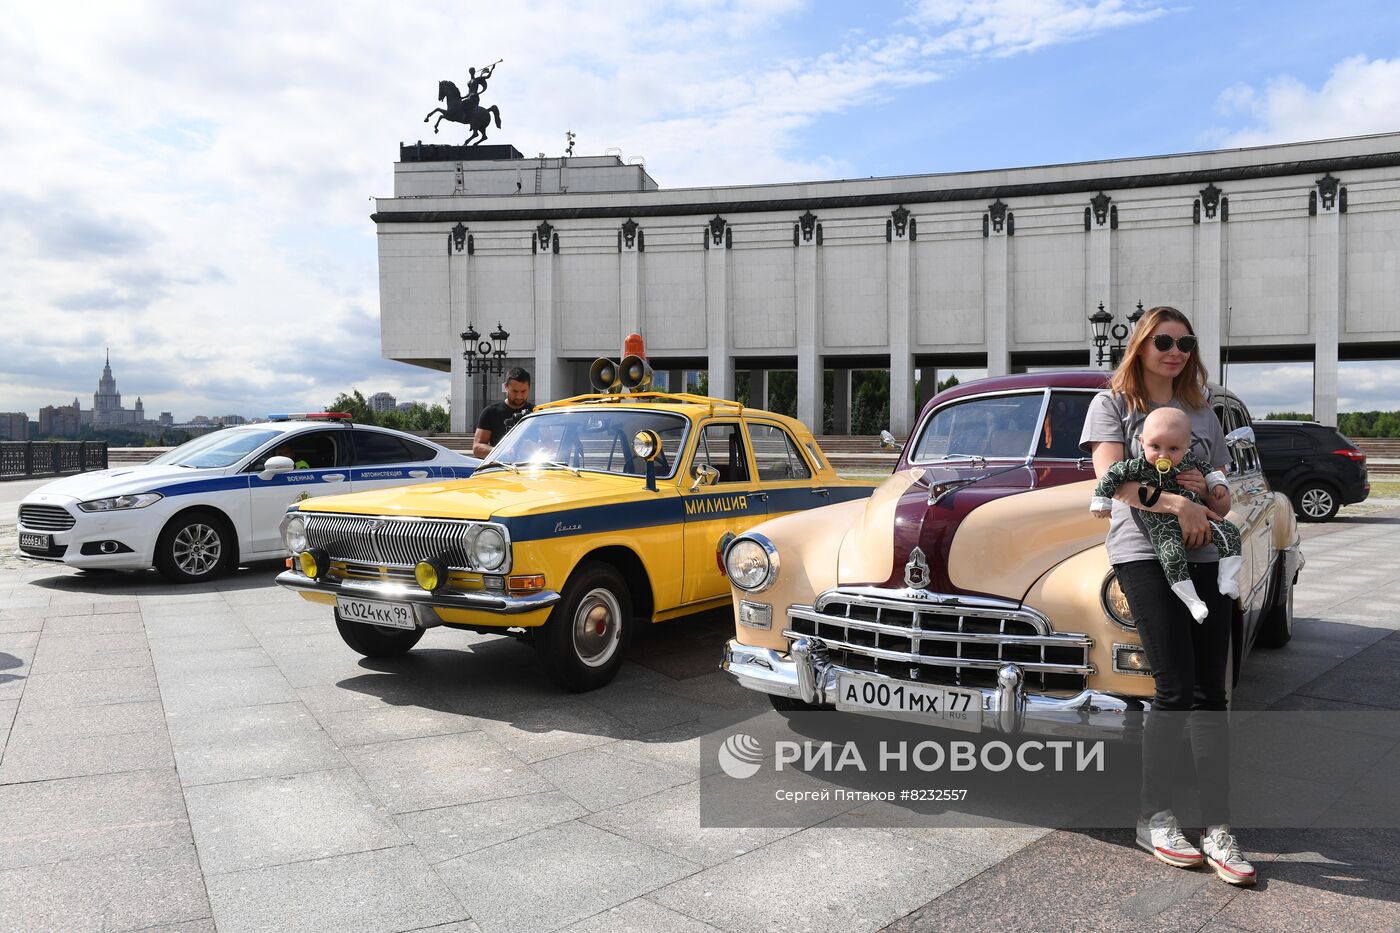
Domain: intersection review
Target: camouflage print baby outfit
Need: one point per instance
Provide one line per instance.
(1164, 530)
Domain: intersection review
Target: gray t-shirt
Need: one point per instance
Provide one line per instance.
(1110, 419)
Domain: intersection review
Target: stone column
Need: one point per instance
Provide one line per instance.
(806, 236)
(550, 382)
(629, 246)
(717, 241)
(998, 225)
(901, 230)
(841, 402)
(465, 404)
(1211, 210)
(1326, 293)
(1099, 271)
(758, 388)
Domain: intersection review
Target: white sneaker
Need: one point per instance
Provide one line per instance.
(1160, 835)
(1223, 854)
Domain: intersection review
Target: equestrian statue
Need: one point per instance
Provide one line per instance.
(467, 109)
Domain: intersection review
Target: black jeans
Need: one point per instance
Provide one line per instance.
(1189, 662)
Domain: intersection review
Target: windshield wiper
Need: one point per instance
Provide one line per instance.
(503, 464)
(548, 463)
(976, 458)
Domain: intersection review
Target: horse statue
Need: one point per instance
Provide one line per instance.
(467, 110)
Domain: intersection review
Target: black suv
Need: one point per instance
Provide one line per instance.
(1312, 464)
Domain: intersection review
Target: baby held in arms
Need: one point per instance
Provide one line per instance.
(1166, 444)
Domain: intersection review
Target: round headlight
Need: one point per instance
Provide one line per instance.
(751, 563)
(294, 535)
(430, 574)
(646, 444)
(1115, 604)
(489, 549)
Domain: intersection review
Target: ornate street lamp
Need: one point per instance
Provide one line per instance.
(486, 357)
(1105, 326)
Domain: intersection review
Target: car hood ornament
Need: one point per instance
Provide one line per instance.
(916, 575)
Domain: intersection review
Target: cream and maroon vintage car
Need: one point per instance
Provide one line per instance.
(973, 587)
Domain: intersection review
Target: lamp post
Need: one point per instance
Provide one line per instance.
(1105, 326)
(487, 357)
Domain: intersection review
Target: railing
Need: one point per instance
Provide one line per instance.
(50, 458)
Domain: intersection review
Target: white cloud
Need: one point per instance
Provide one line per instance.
(1359, 97)
(1288, 387)
(1006, 27)
(190, 182)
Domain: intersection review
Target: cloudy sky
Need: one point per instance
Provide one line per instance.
(189, 183)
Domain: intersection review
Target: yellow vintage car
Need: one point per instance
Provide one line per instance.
(592, 514)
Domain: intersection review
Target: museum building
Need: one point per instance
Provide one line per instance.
(1278, 253)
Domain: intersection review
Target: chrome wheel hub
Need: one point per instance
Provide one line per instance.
(197, 549)
(597, 627)
(1317, 503)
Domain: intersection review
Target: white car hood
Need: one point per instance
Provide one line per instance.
(116, 482)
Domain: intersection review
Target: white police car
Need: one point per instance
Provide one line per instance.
(201, 508)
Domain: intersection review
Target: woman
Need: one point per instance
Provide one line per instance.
(1162, 367)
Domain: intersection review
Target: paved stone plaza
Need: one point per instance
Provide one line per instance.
(215, 758)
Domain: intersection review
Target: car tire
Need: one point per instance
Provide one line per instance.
(1316, 502)
(194, 547)
(1276, 628)
(582, 643)
(377, 641)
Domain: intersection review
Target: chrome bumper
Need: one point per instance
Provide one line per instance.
(423, 602)
(806, 674)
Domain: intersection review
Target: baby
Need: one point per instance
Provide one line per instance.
(1166, 442)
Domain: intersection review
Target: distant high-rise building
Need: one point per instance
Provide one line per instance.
(230, 419)
(60, 420)
(382, 401)
(107, 410)
(406, 407)
(14, 426)
(166, 419)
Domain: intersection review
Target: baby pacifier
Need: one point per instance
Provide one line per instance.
(1162, 464)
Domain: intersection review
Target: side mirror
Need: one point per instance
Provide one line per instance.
(705, 475)
(887, 441)
(276, 466)
(1240, 437)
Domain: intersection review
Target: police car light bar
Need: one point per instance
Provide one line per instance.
(312, 416)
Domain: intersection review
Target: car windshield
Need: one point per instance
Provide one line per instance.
(219, 449)
(994, 427)
(595, 439)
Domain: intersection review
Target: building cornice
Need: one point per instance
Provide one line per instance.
(884, 198)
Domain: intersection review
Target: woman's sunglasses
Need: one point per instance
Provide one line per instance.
(1163, 342)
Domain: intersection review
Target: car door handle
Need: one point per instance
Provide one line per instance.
(333, 477)
(761, 496)
(822, 492)
(418, 474)
(1254, 490)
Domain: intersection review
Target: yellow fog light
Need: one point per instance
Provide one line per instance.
(527, 583)
(314, 563)
(430, 574)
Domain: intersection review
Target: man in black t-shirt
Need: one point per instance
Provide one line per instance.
(498, 418)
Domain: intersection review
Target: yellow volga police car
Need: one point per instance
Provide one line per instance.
(593, 514)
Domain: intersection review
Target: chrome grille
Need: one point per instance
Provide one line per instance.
(941, 639)
(46, 517)
(392, 542)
